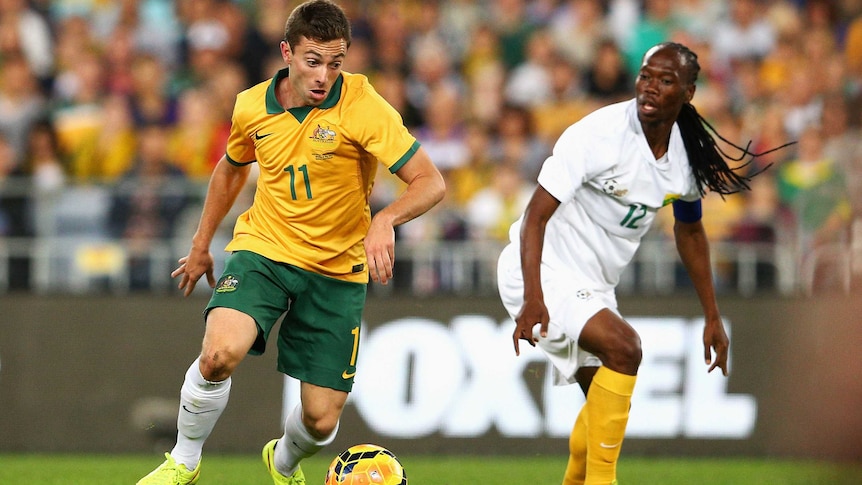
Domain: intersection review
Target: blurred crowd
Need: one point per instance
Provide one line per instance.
(134, 98)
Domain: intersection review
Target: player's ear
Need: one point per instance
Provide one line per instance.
(689, 92)
(284, 47)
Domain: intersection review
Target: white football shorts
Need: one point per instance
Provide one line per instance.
(570, 305)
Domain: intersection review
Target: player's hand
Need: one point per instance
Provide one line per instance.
(380, 250)
(533, 312)
(192, 267)
(715, 338)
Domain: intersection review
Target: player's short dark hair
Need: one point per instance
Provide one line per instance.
(320, 20)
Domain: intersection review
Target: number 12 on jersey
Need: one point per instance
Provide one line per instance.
(636, 213)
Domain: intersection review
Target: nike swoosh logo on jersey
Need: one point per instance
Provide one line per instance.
(199, 412)
(259, 137)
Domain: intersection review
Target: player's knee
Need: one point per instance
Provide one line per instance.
(631, 352)
(626, 354)
(217, 365)
(320, 426)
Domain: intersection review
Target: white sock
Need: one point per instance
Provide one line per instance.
(297, 443)
(201, 404)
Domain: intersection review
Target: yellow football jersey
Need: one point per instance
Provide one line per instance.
(317, 167)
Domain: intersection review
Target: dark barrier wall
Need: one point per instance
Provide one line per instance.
(102, 374)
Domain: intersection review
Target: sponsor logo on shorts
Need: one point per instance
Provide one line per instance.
(227, 284)
(583, 294)
(347, 375)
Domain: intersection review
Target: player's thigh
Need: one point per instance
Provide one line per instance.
(228, 336)
(612, 339)
(229, 330)
(318, 341)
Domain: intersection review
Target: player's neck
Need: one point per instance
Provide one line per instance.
(657, 137)
(285, 94)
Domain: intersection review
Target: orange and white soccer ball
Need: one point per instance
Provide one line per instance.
(366, 464)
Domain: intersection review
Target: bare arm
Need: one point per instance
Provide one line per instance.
(225, 184)
(540, 208)
(425, 188)
(693, 248)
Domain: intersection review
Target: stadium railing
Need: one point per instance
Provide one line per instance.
(65, 264)
(75, 256)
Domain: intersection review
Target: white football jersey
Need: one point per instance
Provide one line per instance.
(610, 187)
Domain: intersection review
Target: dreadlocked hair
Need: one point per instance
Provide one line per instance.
(707, 160)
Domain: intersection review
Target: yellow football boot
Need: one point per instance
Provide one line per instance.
(298, 478)
(171, 473)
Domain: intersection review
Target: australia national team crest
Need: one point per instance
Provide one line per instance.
(227, 284)
(323, 134)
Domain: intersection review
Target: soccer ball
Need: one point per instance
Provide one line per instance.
(366, 464)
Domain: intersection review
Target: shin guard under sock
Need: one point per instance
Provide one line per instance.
(576, 469)
(297, 443)
(608, 404)
(201, 404)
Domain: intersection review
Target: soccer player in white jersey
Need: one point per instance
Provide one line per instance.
(597, 196)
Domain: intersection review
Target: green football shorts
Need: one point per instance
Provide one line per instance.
(318, 340)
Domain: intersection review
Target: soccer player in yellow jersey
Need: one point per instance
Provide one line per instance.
(307, 245)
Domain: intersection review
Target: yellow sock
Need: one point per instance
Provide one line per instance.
(607, 407)
(576, 470)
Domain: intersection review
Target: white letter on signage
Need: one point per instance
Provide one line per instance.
(391, 399)
(709, 411)
(495, 391)
(656, 402)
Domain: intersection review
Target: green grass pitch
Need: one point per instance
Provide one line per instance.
(425, 470)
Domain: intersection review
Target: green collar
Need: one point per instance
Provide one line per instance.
(273, 107)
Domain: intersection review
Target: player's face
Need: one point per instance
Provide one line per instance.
(314, 67)
(662, 86)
